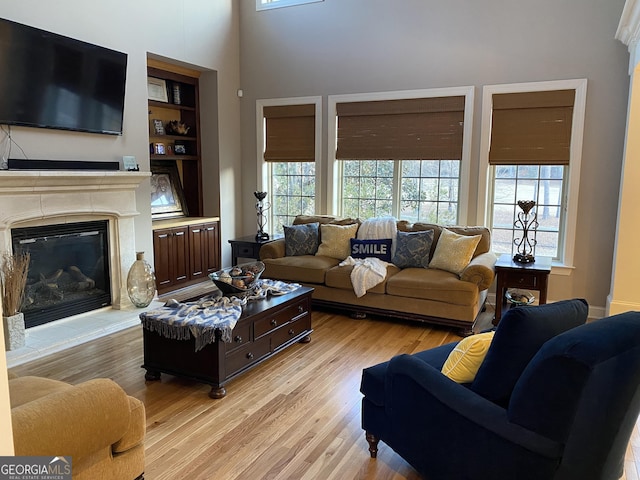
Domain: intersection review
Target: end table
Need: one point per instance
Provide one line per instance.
(248, 247)
(511, 274)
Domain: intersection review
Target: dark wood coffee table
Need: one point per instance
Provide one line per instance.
(265, 328)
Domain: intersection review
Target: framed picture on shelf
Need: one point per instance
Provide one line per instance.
(167, 196)
(157, 89)
(158, 126)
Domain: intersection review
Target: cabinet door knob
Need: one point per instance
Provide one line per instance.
(238, 339)
(300, 309)
(274, 322)
(250, 356)
(292, 331)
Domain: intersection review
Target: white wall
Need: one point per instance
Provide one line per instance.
(199, 33)
(350, 46)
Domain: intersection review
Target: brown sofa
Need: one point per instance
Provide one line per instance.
(424, 294)
(95, 422)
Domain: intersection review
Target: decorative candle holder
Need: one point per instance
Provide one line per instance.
(527, 221)
(261, 207)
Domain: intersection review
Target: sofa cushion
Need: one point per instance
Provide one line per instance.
(454, 251)
(335, 240)
(412, 249)
(380, 248)
(463, 362)
(303, 268)
(301, 239)
(484, 245)
(520, 334)
(432, 284)
(340, 277)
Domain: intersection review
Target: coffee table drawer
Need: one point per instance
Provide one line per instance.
(240, 336)
(289, 331)
(245, 356)
(292, 312)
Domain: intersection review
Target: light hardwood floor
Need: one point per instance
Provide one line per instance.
(296, 416)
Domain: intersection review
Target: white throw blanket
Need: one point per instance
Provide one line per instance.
(379, 228)
(366, 273)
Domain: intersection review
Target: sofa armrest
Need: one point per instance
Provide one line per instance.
(481, 270)
(273, 249)
(78, 421)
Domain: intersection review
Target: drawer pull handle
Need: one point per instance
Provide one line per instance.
(292, 331)
(274, 322)
(250, 356)
(238, 339)
(300, 309)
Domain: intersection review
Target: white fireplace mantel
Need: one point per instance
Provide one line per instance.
(45, 197)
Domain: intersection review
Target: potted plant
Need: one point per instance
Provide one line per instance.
(13, 280)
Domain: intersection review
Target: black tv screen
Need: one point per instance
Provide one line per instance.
(52, 81)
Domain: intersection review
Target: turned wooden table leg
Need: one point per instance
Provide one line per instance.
(305, 339)
(373, 444)
(217, 392)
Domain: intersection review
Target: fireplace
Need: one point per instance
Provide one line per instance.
(68, 270)
(44, 199)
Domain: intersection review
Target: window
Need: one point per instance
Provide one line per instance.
(268, 4)
(531, 144)
(288, 139)
(403, 154)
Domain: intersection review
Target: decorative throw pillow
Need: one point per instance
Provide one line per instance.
(453, 251)
(335, 240)
(412, 249)
(371, 248)
(301, 239)
(465, 359)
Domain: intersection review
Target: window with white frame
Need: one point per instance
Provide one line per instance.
(269, 4)
(532, 139)
(288, 144)
(403, 154)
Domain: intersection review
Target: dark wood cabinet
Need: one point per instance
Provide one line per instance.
(265, 328)
(185, 251)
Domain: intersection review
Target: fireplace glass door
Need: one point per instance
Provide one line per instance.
(68, 271)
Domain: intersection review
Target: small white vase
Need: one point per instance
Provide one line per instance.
(14, 331)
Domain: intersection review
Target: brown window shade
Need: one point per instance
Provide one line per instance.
(532, 128)
(408, 129)
(290, 133)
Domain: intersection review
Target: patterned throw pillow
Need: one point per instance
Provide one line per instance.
(412, 249)
(301, 239)
(335, 240)
(371, 248)
(453, 251)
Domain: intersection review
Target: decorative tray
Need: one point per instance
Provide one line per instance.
(237, 279)
(517, 296)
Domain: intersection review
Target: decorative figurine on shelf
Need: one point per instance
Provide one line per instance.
(261, 207)
(527, 221)
(176, 127)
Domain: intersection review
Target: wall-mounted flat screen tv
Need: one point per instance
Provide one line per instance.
(52, 81)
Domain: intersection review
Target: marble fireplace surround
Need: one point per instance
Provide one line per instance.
(30, 198)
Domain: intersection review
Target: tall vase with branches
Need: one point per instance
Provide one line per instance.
(13, 282)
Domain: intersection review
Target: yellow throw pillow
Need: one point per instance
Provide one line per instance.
(336, 240)
(454, 251)
(464, 360)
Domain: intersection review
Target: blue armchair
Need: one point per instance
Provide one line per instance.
(554, 399)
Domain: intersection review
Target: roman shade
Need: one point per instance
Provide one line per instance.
(290, 133)
(532, 128)
(406, 129)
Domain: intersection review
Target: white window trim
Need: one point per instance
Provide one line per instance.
(282, 3)
(465, 163)
(573, 184)
(263, 175)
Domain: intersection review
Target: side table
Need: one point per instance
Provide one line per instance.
(248, 247)
(510, 274)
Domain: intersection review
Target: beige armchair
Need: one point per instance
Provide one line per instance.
(95, 422)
